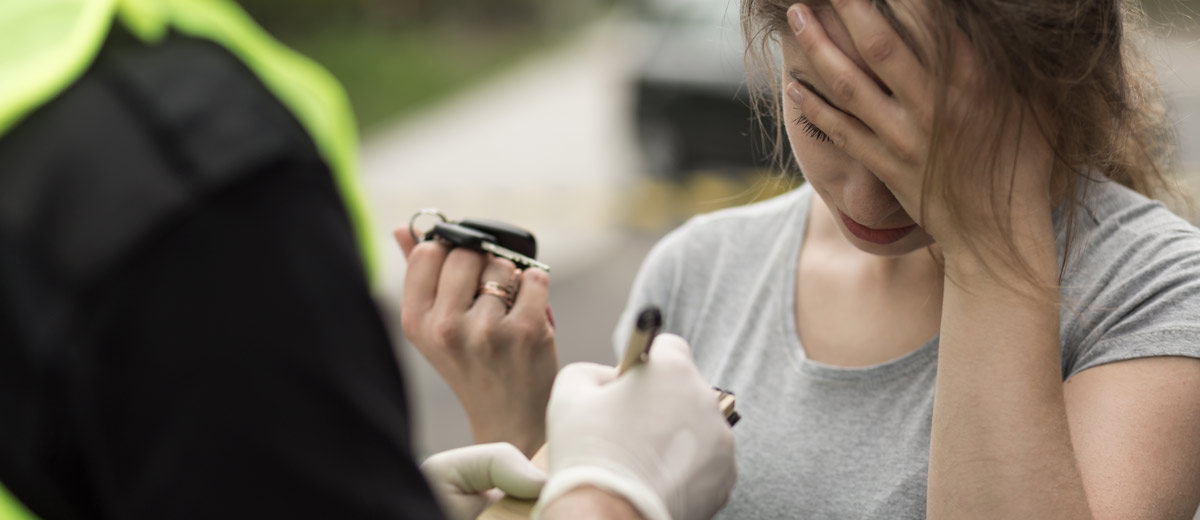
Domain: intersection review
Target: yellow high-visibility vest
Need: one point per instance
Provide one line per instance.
(49, 44)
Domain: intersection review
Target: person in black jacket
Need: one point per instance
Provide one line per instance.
(186, 328)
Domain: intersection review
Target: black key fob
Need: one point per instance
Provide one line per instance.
(506, 235)
(460, 236)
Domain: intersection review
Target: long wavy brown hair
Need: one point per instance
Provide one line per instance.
(1080, 61)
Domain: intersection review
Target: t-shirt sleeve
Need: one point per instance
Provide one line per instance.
(239, 367)
(1138, 290)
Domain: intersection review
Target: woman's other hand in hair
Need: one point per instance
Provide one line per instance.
(881, 111)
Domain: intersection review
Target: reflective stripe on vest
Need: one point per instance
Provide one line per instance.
(49, 44)
(11, 508)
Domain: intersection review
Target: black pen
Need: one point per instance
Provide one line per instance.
(637, 349)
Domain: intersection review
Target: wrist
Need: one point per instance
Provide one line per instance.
(586, 502)
(1027, 259)
(612, 480)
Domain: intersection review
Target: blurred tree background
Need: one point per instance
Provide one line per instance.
(1173, 14)
(394, 56)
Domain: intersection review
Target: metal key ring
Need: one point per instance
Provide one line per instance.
(412, 221)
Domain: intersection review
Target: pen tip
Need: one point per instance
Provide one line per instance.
(649, 318)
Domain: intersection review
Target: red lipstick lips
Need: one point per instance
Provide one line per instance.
(876, 236)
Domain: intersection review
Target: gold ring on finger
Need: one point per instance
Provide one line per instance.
(497, 289)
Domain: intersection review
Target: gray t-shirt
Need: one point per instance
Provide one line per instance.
(817, 441)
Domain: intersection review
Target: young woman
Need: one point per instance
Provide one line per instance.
(971, 309)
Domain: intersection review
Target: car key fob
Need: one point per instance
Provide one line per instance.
(460, 236)
(506, 235)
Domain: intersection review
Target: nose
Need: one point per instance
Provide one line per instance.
(868, 200)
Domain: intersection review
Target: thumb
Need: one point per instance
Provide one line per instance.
(579, 378)
(670, 346)
(499, 465)
(404, 238)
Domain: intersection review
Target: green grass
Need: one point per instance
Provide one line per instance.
(388, 73)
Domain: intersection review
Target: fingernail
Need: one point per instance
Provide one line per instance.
(796, 18)
(793, 92)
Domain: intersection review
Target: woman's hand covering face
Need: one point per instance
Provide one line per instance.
(500, 362)
(886, 122)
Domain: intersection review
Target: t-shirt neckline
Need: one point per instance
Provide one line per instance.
(919, 357)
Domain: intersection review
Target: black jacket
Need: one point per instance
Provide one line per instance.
(185, 326)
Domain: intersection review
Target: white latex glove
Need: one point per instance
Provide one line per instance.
(468, 480)
(654, 436)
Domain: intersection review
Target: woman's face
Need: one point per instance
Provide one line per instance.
(863, 208)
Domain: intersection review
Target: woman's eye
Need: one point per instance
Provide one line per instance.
(811, 130)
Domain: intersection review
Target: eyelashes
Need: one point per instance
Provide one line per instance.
(810, 129)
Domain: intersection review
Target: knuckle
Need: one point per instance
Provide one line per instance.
(842, 88)
(525, 332)
(837, 136)
(489, 331)
(537, 277)
(906, 152)
(425, 251)
(878, 47)
(502, 263)
(447, 329)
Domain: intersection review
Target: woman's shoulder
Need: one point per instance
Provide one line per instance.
(1113, 218)
(1131, 284)
(1108, 202)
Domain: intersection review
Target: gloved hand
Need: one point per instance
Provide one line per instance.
(653, 436)
(468, 480)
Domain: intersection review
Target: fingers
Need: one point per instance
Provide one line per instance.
(504, 274)
(459, 279)
(578, 378)
(496, 465)
(514, 474)
(670, 347)
(850, 89)
(465, 479)
(421, 279)
(532, 298)
(885, 52)
(671, 358)
(845, 131)
(404, 238)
